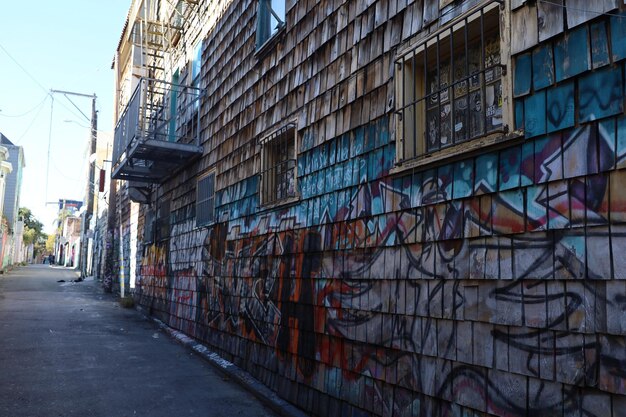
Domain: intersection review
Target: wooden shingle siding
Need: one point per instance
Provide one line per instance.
(485, 281)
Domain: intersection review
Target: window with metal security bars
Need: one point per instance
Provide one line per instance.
(205, 200)
(449, 87)
(270, 19)
(278, 165)
(163, 220)
(148, 227)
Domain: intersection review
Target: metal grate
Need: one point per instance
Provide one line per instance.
(158, 111)
(449, 86)
(205, 200)
(278, 164)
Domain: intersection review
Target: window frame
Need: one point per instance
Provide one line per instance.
(163, 224)
(149, 226)
(411, 108)
(211, 196)
(268, 186)
(264, 33)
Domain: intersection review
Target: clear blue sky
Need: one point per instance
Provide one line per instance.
(62, 45)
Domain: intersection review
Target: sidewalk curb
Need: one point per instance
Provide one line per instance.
(268, 397)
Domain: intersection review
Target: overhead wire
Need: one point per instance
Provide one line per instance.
(26, 112)
(48, 92)
(24, 69)
(31, 124)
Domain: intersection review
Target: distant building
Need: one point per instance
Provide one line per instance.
(14, 180)
(11, 201)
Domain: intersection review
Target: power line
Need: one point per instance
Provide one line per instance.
(32, 122)
(24, 69)
(26, 112)
(34, 79)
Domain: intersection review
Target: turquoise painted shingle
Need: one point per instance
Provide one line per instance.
(543, 67)
(523, 73)
(344, 147)
(509, 168)
(527, 167)
(620, 147)
(618, 36)
(606, 144)
(445, 177)
(416, 189)
(560, 107)
(535, 114)
(486, 173)
(600, 94)
(571, 53)
(389, 157)
(463, 176)
(599, 45)
(332, 152)
(519, 114)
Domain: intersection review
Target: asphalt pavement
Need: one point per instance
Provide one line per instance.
(68, 349)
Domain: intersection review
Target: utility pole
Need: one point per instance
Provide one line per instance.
(89, 192)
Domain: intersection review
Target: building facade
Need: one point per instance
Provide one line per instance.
(13, 187)
(382, 207)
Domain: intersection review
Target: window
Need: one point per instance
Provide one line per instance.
(148, 227)
(196, 70)
(270, 19)
(163, 220)
(205, 200)
(449, 87)
(278, 165)
(196, 65)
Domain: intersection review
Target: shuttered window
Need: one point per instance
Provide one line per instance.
(205, 200)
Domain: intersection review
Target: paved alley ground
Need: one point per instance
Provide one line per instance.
(67, 349)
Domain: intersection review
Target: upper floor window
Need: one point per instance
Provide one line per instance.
(205, 200)
(196, 65)
(196, 69)
(270, 19)
(449, 87)
(162, 222)
(278, 165)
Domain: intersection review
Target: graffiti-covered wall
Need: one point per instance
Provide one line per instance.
(490, 283)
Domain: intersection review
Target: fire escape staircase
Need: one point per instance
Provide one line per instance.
(158, 132)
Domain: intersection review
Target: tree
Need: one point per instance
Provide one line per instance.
(50, 243)
(33, 233)
(29, 220)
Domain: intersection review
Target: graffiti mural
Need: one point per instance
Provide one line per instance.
(493, 284)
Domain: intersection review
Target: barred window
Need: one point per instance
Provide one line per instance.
(163, 220)
(449, 87)
(148, 227)
(205, 200)
(278, 165)
(270, 19)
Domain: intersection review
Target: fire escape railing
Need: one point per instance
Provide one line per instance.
(159, 126)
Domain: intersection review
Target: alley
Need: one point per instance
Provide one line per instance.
(67, 349)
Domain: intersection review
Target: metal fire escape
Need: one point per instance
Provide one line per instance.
(158, 132)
